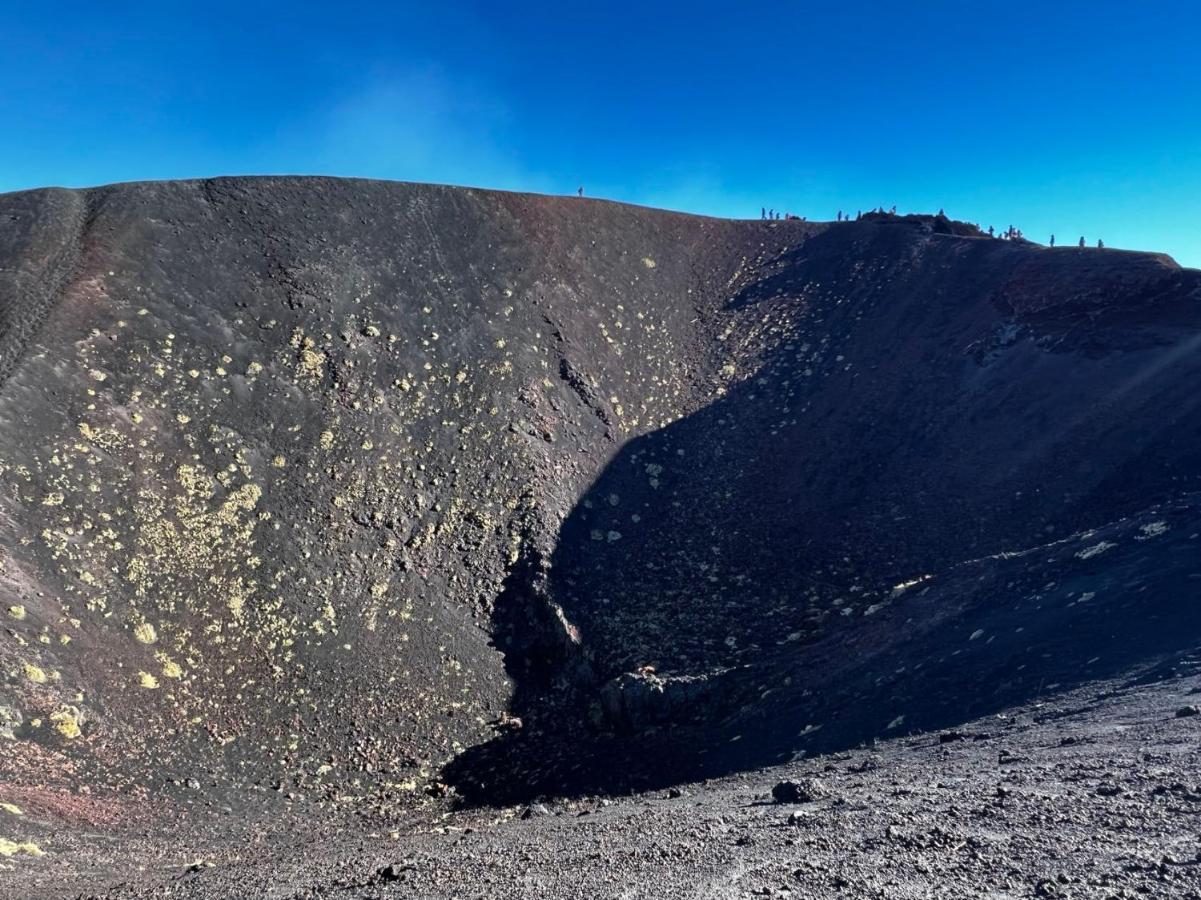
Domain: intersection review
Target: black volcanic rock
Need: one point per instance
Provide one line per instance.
(805, 791)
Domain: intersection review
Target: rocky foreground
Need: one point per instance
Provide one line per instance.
(1092, 794)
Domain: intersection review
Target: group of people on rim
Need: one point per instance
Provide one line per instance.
(1009, 234)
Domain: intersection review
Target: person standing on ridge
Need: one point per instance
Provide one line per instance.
(581, 190)
(1100, 244)
(762, 212)
(839, 216)
(1052, 240)
(1082, 241)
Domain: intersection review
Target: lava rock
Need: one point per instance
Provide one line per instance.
(395, 871)
(806, 790)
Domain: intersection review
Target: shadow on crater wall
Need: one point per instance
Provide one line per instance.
(884, 525)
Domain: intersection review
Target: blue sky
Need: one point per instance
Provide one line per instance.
(1068, 118)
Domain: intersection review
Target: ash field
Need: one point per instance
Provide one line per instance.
(369, 539)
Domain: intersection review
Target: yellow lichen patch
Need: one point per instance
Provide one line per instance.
(195, 481)
(244, 498)
(16, 611)
(145, 633)
(254, 368)
(171, 669)
(326, 440)
(66, 722)
(278, 461)
(148, 681)
(312, 363)
(55, 498)
(35, 674)
(201, 541)
(12, 808)
(648, 262)
(12, 848)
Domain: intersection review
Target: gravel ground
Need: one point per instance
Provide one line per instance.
(1091, 794)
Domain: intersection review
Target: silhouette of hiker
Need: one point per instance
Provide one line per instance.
(762, 212)
(990, 231)
(1100, 244)
(840, 215)
(581, 190)
(1081, 240)
(941, 213)
(858, 215)
(1052, 240)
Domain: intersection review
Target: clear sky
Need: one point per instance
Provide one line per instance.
(1057, 117)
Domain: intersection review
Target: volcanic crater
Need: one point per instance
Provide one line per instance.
(330, 500)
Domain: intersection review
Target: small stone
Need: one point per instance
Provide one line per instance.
(1186, 711)
(1046, 888)
(395, 871)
